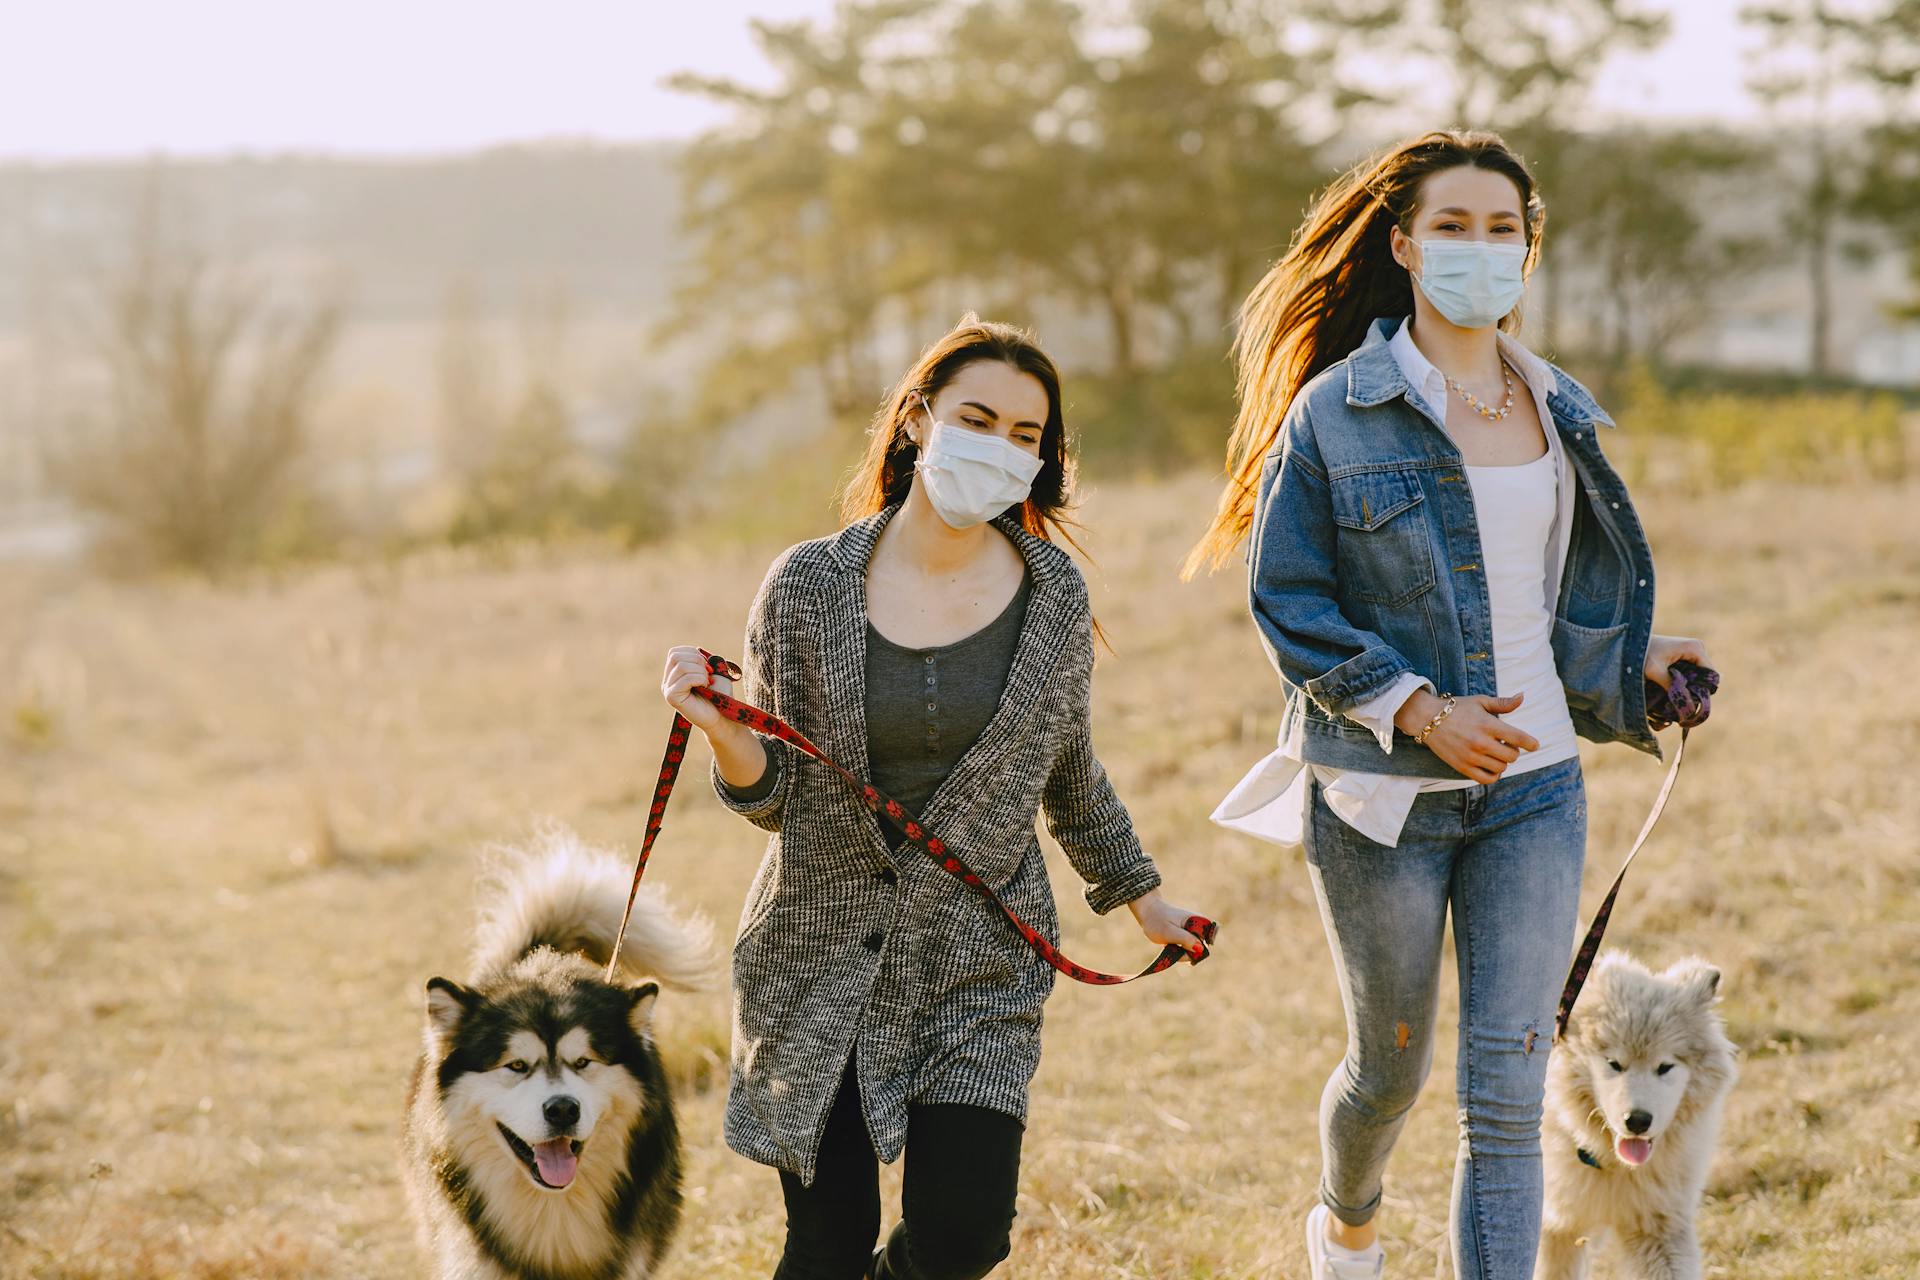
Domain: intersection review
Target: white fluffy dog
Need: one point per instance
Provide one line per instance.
(1634, 1093)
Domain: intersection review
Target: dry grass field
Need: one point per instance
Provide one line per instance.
(237, 834)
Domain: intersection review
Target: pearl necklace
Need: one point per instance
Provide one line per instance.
(1478, 405)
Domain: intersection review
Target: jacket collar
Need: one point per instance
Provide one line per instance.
(1374, 377)
(1414, 363)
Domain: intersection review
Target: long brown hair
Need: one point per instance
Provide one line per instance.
(1314, 305)
(885, 471)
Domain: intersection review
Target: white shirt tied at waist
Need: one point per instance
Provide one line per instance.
(1516, 508)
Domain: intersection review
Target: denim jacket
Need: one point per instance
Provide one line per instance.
(1365, 563)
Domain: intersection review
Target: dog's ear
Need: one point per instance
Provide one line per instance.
(640, 1012)
(1698, 979)
(447, 1003)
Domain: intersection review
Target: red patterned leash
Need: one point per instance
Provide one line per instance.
(1685, 702)
(772, 726)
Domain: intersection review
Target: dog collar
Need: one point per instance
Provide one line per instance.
(1588, 1158)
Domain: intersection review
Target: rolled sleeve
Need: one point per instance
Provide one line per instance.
(1292, 586)
(1360, 679)
(1376, 714)
(1137, 883)
(1086, 816)
(761, 802)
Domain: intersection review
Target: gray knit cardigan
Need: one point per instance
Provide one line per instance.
(843, 943)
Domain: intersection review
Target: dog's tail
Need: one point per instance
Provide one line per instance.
(562, 893)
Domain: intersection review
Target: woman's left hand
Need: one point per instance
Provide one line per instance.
(1664, 651)
(1163, 922)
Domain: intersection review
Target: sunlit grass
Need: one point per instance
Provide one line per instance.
(226, 875)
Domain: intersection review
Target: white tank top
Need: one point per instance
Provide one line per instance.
(1515, 507)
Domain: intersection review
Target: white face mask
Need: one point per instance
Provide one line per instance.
(971, 476)
(1473, 283)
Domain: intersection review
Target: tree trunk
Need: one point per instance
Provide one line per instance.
(1820, 277)
(1551, 298)
(1120, 325)
(1617, 294)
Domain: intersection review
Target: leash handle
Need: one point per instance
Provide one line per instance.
(1686, 701)
(765, 722)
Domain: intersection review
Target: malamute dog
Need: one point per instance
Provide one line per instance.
(1634, 1092)
(540, 1140)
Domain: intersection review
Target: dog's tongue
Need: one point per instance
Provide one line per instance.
(1633, 1150)
(556, 1160)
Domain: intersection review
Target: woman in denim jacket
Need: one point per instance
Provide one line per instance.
(1453, 585)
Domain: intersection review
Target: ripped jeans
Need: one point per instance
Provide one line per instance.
(1506, 858)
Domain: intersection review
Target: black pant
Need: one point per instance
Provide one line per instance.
(963, 1166)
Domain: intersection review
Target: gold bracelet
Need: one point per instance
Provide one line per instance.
(1421, 737)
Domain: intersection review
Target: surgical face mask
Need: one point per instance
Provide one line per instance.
(971, 476)
(1474, 284)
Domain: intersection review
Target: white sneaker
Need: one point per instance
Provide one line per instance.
(1330, 1261)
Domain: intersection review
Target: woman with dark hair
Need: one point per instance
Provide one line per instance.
(1452, 582)
(941, 644)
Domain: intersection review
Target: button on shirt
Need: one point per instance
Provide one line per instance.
(1271, 800)
(926, 706)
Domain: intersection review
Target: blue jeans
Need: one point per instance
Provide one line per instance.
(1506, 858)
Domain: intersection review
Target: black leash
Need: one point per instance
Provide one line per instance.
(1686, 702)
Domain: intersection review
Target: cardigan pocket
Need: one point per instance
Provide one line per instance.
(990, 952)
(762, 894)
(976, 947)
(768, 989)
(763, 1065)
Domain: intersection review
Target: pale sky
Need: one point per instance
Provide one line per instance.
(83, 78)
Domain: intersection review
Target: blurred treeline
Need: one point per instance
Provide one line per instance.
(1141, 164)
(1117, 173)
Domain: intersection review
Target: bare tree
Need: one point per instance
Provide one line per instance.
(1819, 48)
(1889, 190)
(193, 444)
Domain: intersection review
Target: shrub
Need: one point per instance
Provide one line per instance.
(1707, 440)
(192, 451)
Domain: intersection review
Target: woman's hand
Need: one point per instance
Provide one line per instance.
(1163, 922)
(1664, 651)
(742, 757)
(1473, 738)
(687, 670)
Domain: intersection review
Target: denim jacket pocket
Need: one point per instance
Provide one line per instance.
(1385, 553)
(1599, 567)
(1590, 661)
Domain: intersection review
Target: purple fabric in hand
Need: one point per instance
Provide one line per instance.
(1686, 700)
